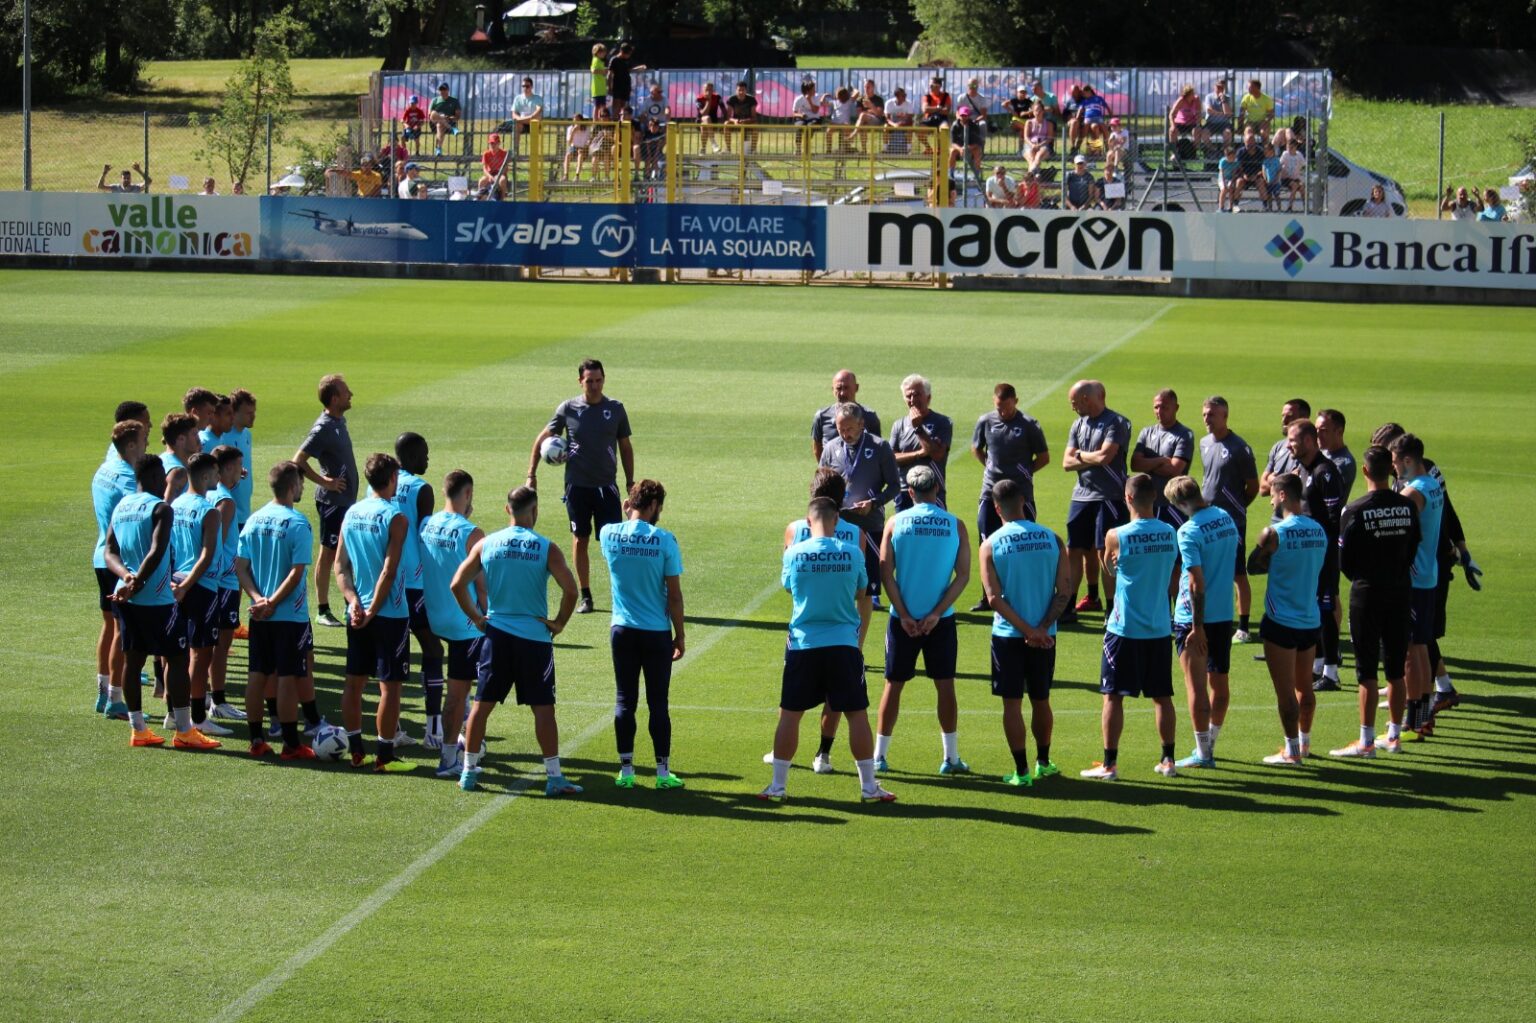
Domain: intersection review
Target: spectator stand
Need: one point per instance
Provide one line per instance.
(593, 164)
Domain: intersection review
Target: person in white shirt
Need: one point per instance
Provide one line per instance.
(407, 189)
(1293, 175)
(1461, 204)
(1377, 205)
(578, 142)
(1002, 190)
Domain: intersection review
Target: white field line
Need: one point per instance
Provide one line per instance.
(1070, 376)
(389, 889)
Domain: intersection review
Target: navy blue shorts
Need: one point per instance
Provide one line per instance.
(381, 649)
(1421, 616)
(464, 658)
(1168, 513)
(1136, 667)
(154, 629)
(280, 648)
(1089, 522)
(989, 522)
(592, 508)
(939, 649)
(1378, 628)
(106, 583)
(199, 613)
(1285, 637)
(637, 651)
(1019, 669)
(1218, 644)
(416, 608)
(833, 675)
(1328, 579)
(511, 664)
(228, 614)
(1240, 568)
(330, 516)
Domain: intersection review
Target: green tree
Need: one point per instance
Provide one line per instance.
(261, 88)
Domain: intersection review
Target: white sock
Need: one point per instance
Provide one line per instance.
(552, 766)
(115, 694)
(435, 725)
(780, 773)
(951, 745)
(136, 719)
(1331, 671)
(183, 718)
(1367, 735)
(882, 744)
(103, 683)
(1394, 729)
(1443, 684)
(866, 774)
(1304, 738)
(1203, 744)
(1293, 747)
(1215, 731)
(471, 761)
(663, 766)
(1317, 665)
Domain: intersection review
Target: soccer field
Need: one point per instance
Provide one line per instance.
(152, 884)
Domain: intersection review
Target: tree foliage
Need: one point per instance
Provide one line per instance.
(259, 90)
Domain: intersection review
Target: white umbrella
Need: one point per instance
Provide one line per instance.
(540, 9)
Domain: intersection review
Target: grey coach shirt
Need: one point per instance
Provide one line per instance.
(1010, 446)
(824, 423)
(330, 444)
(593, 433)
(1101, 482)
(1228, 465)
(936, 428)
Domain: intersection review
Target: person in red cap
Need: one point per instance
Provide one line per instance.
(965, 136)
(412, 120)
(492, 163)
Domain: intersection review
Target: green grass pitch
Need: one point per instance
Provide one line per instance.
(145, 884)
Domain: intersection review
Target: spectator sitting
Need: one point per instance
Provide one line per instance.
(1039, 137)
(1460, 203)
(602, 145)
(899, 119)
(493, 167)
(1377, 205)
(869, 93)
(711, 112)
(1493, 207)
(871, 116)
(1111, 184)
(527, 107)
(1218, 115)
(1293, 174)
(408, 183)
(126, 184)
(938, 109)
(1002, 191)
(1116, 144)
(742, 108)
(1080, 191)
(845, 112)
(1228, 174)
(1072, 117)
(655, 108)
(1184, 117)
(1250, 166)
(652, 140)
(1094, 112)
(578, 142)
(1297, 131)
(1019, 111)
(807, 109)
(1256, 110)
(444, 115)
(966, 138)
(1047, 98)
(210, 187)
(1029, 191)
(981, 106)
(412, 119)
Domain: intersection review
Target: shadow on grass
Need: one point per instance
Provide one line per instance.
(735, 623)
(1497, 673)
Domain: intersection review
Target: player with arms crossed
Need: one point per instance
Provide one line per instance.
(373, 532)
(518, 656)
(1292, 552)
(1138, 636)
(645, 571)
(1096, 450)
(925, 563)
(1202, 613)
(1378, 539)
(445, 542)
(828, 483)
(139, 554)
(271, 563)
(597, 435)
(330, 444)
(1026, 579)
(825, 579)
(1230, 482)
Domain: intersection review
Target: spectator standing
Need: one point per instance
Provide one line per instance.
(1493, 207)
(1461, 204)
(1377, 206)
(1228, 174)
(1271, 177)
(741, 108)
(621, 68)
(126, 185)
(444, 114)
(210, 187)
(366, 178)
(599, 77)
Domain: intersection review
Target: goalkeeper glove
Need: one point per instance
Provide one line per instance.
(1470, 568)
